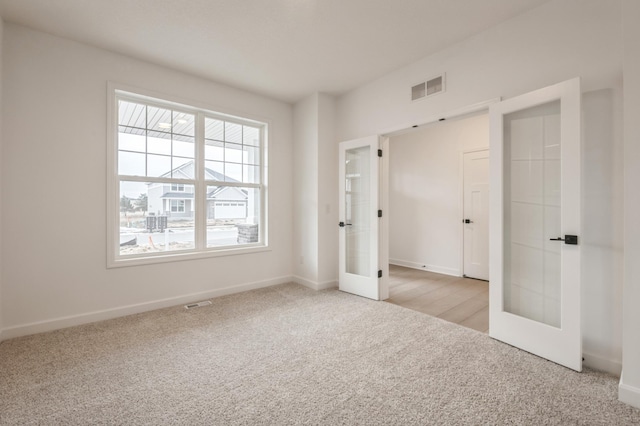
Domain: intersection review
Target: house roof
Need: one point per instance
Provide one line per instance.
(186, 171)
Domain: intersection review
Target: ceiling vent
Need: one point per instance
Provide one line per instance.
(431, 87)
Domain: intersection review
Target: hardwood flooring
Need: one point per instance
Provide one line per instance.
(459, 300)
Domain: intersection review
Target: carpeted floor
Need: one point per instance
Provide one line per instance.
(289, 355)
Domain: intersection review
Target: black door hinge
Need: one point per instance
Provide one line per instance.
(379, 213)
(379, 153)
(379, 273)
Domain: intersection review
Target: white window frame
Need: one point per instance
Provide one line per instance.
(114, 259)
(179, 187)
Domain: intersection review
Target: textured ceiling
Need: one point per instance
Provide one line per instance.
(285, 49)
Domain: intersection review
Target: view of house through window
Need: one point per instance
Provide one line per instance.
(188, 180)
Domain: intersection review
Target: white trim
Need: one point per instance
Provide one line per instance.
(89, 317)
(628, 394)
(383, 230)
(599, 363)
(456, 113)
(422, 267)
(163, 257)
(314, 285)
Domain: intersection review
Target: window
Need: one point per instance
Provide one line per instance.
(172, 166)
(177, 206)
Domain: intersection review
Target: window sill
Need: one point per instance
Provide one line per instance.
(185, 255)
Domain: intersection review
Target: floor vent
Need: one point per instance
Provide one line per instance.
(433, 86)
(197, 304)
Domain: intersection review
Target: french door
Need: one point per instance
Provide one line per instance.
(359, 222)
(535, 223)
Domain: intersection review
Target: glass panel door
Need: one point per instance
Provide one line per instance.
(358, 227)
(534, 292)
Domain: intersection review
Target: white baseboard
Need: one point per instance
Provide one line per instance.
(314, 285)
(73, 320)
(431, 268)
(628, 394)
(599, 363)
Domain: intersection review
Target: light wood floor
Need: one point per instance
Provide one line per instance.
(459, 300)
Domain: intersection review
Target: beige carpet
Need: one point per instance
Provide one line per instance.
(289, 355)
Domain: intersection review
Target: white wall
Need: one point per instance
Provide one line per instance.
(315, 183)
(630, 381)
(557, 41)
(54, 107)
(305, 191)
(327, 193)
(424, 192)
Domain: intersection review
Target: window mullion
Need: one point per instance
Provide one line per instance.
(200, 187)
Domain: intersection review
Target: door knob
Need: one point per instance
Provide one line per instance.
(342, 224)
(468, 221)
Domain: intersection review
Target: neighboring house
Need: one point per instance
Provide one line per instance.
(175, 200)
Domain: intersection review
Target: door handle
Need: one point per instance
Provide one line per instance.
(467, 221)
(568, 239)
(342, 224)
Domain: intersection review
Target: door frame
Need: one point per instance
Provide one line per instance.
(461, 189)
(384, 180)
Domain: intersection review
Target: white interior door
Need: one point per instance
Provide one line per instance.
(359, 180)
(535, 223)
(476, 214)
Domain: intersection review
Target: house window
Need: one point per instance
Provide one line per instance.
(177, 206)
(161, 149)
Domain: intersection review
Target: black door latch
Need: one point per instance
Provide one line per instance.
(568, 239)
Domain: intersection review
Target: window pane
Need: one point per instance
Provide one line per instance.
(213, 129)
(131, 163)
(182, 168)
(131, 114)
(129, 141)
(251, 136)
(232, 172)
(233, 215)
(184, 148)
(251, 174)
(214, 170)
(159, 119)
(183, 124)
(214, 151)
(233, 153)
(158, 165)
(232, 132)
(152, 221)
(156, 145)
(251, 155)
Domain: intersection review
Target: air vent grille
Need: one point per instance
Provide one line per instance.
(418, 91)
(197, 304)
(431, 87)
(434, 86)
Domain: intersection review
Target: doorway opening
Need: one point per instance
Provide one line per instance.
(438, 182)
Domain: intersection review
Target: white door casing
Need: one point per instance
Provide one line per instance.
(535, 199)
(476, 214)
